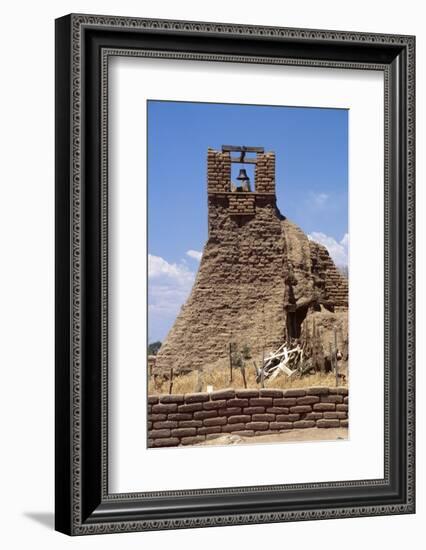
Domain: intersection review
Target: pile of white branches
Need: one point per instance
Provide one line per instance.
(287, 359)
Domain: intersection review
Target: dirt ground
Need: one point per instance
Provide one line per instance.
(305, 434)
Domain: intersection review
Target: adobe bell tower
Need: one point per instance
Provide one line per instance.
(240, 199)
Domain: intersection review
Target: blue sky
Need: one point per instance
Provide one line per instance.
(311, 147)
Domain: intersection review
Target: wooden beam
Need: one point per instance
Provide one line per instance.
(245, 161)
(241, 148)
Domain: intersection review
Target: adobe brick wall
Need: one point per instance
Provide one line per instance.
(241, 204)
(265, 172)
(194, 417)
(218, 171)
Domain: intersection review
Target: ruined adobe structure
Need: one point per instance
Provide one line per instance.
(260, 276)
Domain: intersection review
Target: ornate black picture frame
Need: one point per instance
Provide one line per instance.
(83, 45)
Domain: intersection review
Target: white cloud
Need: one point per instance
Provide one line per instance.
(169, 287)
(319, 199)
(345, 240)
(195, 254)
(337, 250)
(167, 299)
(159, 267)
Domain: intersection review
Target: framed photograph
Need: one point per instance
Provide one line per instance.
(234, 274)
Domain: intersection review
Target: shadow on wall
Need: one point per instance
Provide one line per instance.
(47, 519)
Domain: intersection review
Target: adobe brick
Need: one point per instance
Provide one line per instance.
(232, 411)
(301, 409)
(157, 417)
(257, 426)
(313, 416)
(176, 398)
(270, 393)
(165, 408)
(238, 403)
(308, 400)
(254, 410)
(278, 410)
(294, 393)
(285, 402)
(287, 417)
(233, 427)
(317, 390)
(196, 397)
(183, 432)
(152, 399)
(214, 404)
(218, 421)
(332, 399)
(239, 418)
(324, 407)
(159, 433)
(247, 393)
(192, 440)
(200, 415)
(179, 416)
(209, 430)
(222, 394)
(191, 407)
(265, 417)
(304, 423)
(165, 442)
(165, 424)
(190, 423)
(340, 390)
(281, 425)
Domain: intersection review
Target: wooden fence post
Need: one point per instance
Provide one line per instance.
(171, 381)
(314, 346)
(230, 362)
(243, 372)
(335, 357)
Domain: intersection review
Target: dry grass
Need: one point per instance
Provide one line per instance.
(219, 378)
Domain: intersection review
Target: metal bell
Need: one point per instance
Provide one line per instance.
(242, 176)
